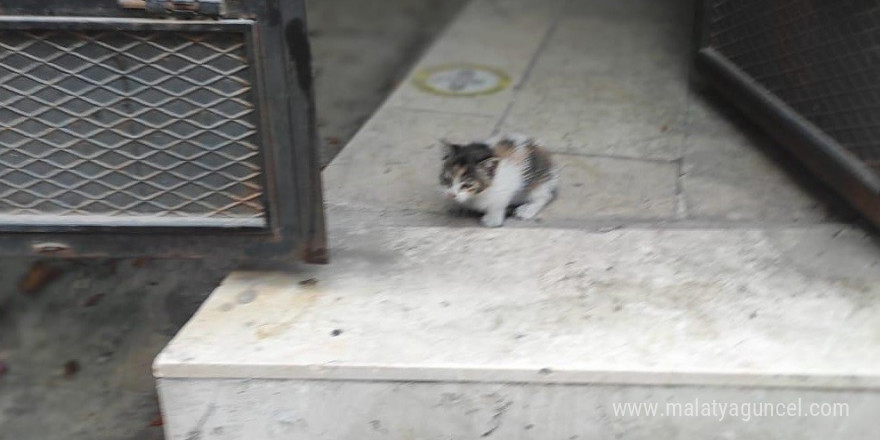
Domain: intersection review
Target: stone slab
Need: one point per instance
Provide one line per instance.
(344, 410)
(771, 308)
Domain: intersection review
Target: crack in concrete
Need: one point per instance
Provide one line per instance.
(551, 30)
(497, 419)
(196, 432)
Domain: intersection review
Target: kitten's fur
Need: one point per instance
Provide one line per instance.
(511, 170)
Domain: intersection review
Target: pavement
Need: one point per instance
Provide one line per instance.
(75, 352)
(639, 142)
(685, 249)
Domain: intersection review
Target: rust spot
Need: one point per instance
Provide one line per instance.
(316, 255)
(38, 276)
(158, 421)
(71, 367)
(140, 262)
(93, 300)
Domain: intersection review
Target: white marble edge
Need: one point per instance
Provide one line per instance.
(176, 362)
(171, 369)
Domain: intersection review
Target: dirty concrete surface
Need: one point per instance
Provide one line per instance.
(686, 254)
(77, 338)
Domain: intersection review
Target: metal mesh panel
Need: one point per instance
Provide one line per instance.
(140, 128)
(822, 58)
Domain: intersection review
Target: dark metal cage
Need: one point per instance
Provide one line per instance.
(808, 71)
(155, 127)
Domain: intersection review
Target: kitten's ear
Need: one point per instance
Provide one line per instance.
(489, 166)
(450, 148)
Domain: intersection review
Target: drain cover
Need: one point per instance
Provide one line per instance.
(462, 80)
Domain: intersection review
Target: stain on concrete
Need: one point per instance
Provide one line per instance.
(296, 306)
(38, 276)
(246, 297)
(308, 282)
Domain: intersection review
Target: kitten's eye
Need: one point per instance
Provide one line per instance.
(467, 185)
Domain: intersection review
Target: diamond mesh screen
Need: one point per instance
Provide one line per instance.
(822, 58)
(128, 128)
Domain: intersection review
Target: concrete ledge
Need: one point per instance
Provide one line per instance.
(340, 410)
(701, 307)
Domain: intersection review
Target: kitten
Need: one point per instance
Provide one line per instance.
(504, 171)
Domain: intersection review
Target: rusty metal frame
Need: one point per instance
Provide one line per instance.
(819, 152)
(278, 45)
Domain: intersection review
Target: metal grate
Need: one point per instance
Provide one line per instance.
(822, 58)
(128, 128)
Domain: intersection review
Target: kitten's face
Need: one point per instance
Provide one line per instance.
(460, 184)
(467, 171)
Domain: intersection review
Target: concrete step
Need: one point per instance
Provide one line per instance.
(680, 267)
(437, 333)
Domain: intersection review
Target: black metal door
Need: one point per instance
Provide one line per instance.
(808, 71)
(156, 127)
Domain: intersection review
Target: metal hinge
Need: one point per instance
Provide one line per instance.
(179, 8)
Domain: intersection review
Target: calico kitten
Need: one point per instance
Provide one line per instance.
(511, 170)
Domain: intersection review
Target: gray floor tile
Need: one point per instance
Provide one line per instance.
(606, 115)
(394, 161)
(735, 171)
(600, 188)
(732, 179)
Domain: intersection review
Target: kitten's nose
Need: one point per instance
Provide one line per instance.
(450, 195)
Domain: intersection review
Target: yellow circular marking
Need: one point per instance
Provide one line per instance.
(461, 80)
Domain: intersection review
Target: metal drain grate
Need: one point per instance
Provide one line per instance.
(820, 58)
(128, 128)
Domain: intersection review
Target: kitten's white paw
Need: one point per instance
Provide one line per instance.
(527, 211)
(492, 221)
